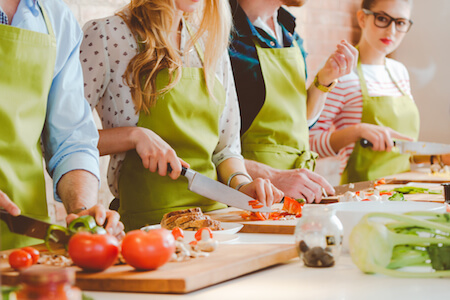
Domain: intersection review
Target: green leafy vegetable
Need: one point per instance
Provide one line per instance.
(415, 190)
(412, 239)
(397, 197)
(57, 233)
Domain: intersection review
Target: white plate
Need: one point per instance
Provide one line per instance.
(229, 228)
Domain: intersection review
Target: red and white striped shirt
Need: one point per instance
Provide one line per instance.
(343, 107)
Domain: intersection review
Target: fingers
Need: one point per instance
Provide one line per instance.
(8, 205)
(322, 182)
(398, 135)
(264, 191)
(109, 219)
(156, 154)
(351, 53)
(99, 213)
(113, 224)
(379, 136)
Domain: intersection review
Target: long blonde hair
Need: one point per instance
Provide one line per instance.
(151, 22)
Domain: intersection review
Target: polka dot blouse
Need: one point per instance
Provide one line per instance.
(106, 50)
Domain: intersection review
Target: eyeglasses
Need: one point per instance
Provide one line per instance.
(383, 20)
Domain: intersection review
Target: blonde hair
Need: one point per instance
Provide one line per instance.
(151, 22)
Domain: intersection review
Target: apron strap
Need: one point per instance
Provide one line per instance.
(196, 45)
(362, 80)
(46, 19)
(395, 82)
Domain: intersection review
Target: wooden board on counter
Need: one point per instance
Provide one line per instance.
(227, 262)
(420, 197)
(419, 175)
(267, 226)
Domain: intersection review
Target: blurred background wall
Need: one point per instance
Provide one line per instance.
(322, 24)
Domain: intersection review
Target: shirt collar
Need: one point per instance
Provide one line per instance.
(32, 5)
(243, 26)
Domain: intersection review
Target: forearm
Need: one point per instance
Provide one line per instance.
(78, 189)
(108, 144)
(344, 137)
(259, 170)
(315, 101)
(230, 166)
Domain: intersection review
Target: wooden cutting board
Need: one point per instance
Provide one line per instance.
(227, 262)
(269, 226)
(419, 175)
(420, 197)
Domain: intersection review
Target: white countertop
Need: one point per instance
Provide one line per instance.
(292, 280)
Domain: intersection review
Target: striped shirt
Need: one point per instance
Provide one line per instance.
(343, 107)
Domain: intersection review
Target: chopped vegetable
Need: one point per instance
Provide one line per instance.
(413, 239)
(293, 206)
(397, 197)
(57, 233)
(415, 190)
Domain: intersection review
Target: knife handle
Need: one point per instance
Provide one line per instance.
(366, 143)
(183, 169)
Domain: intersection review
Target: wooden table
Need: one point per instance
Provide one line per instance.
(294, 281)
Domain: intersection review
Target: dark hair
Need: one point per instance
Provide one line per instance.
(368, 4)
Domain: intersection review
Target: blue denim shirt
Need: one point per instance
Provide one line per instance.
(70, 135)
(247, 72)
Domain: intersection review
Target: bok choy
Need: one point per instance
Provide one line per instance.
(385, 242)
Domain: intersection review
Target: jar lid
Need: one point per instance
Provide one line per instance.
(38, 275)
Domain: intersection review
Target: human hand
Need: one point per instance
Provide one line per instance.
(8, 205)
(156, 154)
(380, 136)
(340, 63)
(302, 184)
(263, 190)
(109, 219)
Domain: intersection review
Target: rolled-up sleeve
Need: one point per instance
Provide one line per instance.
(70, 135)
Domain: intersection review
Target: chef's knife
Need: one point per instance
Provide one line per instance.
(218, 191)
(353, 187)
(32, 227)
(415, 148)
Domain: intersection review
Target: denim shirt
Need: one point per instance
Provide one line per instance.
(70, 135)
(248, 76)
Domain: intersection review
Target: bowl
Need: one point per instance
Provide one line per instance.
(350, 213)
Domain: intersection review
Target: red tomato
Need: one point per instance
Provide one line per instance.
(20, 259)
(148, 250)
(177, 232)
(93, 252)
(33, 252)
(198, 234)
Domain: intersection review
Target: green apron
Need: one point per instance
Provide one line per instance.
(279, 136)
(187, 118)
(399, 113)
(27, 60)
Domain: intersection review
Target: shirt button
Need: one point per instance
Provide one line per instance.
(272, 43)
(290, 34)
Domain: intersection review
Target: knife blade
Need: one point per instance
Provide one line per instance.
(415, 148)
(217, 191)
(353, 187)
(32, 227)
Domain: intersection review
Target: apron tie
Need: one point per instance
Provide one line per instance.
(305, 158)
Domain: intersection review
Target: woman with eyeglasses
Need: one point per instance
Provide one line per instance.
(374, 102)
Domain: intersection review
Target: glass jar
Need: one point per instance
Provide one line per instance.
(318, 236)
(49, 283)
